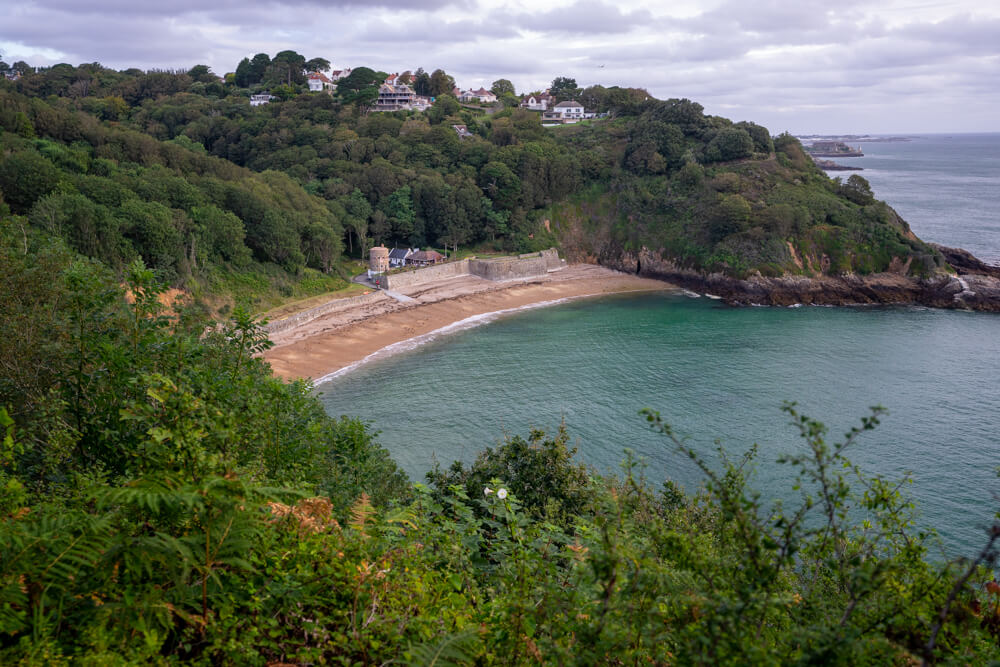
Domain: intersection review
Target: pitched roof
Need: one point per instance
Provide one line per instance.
(483, 91)
(426, 256)
(319, 75)
(399, 253)
(568, 103)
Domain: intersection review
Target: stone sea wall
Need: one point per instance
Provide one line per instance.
(334, 306)
(427, 274)
(508, 268)
(496, 269)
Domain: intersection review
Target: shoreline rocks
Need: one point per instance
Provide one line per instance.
(976, 287)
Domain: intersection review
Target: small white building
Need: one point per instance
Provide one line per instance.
(397, 257)
(338, 74)
(262, 98)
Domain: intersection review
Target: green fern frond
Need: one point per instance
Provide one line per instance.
(454, 649)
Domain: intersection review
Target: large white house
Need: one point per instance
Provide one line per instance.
(569, 111)
(395, 98)
(318, 82)
(481, 95)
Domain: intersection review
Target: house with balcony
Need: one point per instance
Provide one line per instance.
(566, 112)
(398, 97)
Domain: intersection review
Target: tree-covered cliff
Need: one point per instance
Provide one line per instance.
(699, 190)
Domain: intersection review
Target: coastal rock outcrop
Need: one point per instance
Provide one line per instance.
(976, 287)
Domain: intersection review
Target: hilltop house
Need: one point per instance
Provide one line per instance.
(540, 102)
(318, 82)
(338, 74)
(482, 95)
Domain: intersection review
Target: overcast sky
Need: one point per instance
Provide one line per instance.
(798, 65)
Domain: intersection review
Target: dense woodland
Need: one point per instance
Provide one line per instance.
(158, 165)
(164, 499)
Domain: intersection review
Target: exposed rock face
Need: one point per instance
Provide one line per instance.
(977, 287)
(965, 262)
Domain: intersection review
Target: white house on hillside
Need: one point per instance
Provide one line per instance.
(569, 111)
(540, 102)
(318, 82)
(263, 98)
(481, 95)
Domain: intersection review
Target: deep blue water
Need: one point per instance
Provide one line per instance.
(717, 372)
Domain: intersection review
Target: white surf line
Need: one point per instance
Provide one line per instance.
(468, 323)
(965, 289)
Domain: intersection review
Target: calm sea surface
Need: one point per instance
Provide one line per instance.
(721, 373)
(947, 186)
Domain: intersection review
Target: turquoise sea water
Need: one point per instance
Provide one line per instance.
(715, 372)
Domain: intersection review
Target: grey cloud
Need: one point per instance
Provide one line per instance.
(175, 8)
(981, 35)
(425, 30)
(585, 17)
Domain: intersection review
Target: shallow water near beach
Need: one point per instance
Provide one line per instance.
(717, 372)
(714, 372)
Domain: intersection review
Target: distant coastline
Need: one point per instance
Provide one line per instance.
(852, 138)
(830, 165)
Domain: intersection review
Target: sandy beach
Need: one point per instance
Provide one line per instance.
(335, 341)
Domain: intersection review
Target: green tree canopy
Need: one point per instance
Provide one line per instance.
(202, 73)
(317, 65)
(441, 83)
(564, 88)
(730, 143)
(422, 82)
(502, 87)
(25, 177)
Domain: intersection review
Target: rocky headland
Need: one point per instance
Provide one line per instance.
(974, 285)
(830, 165)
